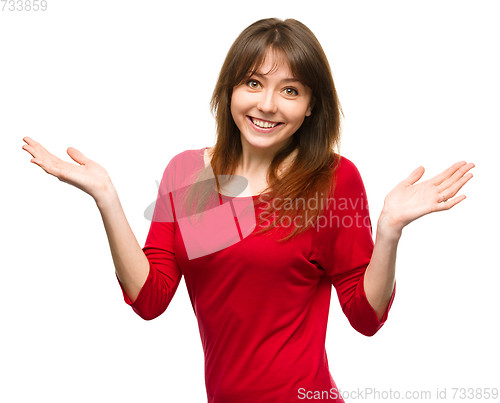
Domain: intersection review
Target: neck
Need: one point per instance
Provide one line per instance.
(255, 161)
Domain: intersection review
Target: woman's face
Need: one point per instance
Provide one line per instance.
(270, 106)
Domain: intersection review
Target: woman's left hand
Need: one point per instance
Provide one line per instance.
(410, 200)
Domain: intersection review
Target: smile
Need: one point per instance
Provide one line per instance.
(265, 125)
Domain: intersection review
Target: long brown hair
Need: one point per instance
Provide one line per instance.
(311, 174)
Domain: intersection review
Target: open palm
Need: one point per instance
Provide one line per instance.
(410, 200)
(88, 176)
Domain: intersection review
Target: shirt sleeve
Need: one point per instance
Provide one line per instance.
(343, 246)
(164, 272)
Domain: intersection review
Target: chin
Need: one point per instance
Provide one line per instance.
(265, 144)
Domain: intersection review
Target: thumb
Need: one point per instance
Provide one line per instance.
(414, 176)
(77, 156)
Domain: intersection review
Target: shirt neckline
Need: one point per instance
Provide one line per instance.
(226, 196)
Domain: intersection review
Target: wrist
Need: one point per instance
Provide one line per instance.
(388, 228)
(106, 197)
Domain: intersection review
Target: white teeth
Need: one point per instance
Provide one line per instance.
(264, 125)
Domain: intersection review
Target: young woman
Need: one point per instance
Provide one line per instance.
(264, 223)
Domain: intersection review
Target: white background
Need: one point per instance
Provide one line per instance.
(129, 83)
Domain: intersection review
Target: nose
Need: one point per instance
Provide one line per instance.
(267, 103)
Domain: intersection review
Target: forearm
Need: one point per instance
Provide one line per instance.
(381, 272)
(407, 202)
(131, 264)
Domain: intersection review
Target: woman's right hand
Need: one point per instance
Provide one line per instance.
(89, 176)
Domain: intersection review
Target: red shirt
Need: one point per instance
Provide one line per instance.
(262, 306)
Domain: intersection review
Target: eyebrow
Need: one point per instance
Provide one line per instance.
(285, 80)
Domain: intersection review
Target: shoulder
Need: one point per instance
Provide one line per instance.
(188, 156)
(183, 165)
(347, 177)
(346, 167)
(187, 160)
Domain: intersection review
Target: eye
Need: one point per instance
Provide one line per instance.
(253, 84)
(291, 91)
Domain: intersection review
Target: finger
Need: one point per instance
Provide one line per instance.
(458, 175)
(77, 156)
(438, 179)
(35, 146)
(29, 149)
(37, 151)
(30, 145)
(450, 203)
(47, 167)
(29, 140)
(414, 176)
(455, 188)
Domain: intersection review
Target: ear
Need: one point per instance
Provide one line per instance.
(310, 108)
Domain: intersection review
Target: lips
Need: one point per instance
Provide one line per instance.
(263, 125)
